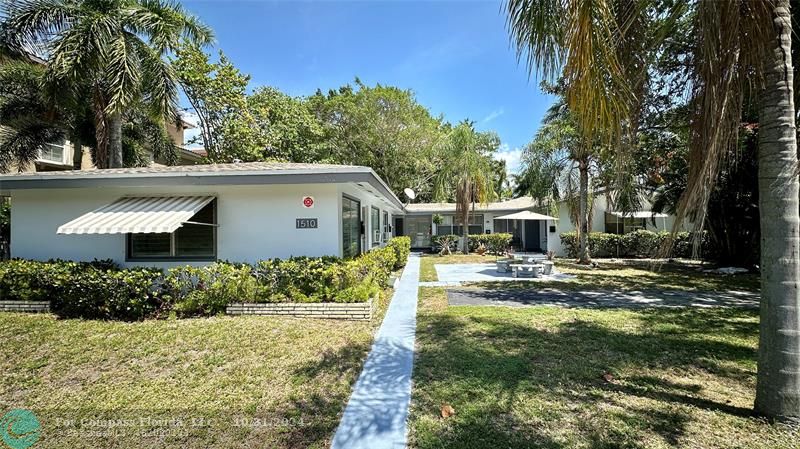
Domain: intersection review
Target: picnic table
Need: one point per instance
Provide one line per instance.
(534, 269)
(503, 265)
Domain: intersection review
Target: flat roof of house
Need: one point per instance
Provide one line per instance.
(515, 204)
(243, 173)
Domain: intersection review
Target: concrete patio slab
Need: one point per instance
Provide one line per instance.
(484, 272)
(515, 297)
(375, 416)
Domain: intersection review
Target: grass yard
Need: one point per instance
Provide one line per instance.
(642, 275)
(427, 271)
(233, 381)
(533, 377)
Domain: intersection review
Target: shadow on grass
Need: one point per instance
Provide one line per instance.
(647, 275)
(514, 384)
(310, 419)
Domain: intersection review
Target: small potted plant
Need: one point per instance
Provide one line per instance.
(547, 265)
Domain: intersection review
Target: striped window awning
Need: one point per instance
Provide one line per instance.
(138, 215)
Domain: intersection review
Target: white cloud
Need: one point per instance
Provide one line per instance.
(493, 115)
(513, 158)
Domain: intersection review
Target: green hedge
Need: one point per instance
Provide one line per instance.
(494, 243)
(640, 243)
(98, 289)
(102, 290)
(402, 248)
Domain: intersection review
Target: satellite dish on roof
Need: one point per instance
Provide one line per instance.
(409, 193)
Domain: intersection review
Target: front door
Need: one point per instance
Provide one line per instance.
(398, 227)
(419, 229)
(532, 237)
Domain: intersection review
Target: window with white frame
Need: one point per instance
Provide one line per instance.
(375, 224)
(195, 240)
(451, 225)
(53, 152)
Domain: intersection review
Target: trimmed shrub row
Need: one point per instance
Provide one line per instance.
(494, 243)
(102, 290)
(640, 243)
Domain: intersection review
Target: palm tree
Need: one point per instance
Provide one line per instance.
(556, 166)
(28, 122)
(466, 171)
(109, 51)
(738, 41)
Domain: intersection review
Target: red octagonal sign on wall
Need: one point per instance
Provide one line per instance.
(308, 202)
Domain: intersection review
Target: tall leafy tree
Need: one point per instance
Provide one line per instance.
(108, 51)
(290, 130)
(466, 172)
(737, 42)
(382, 127)
(217, 91)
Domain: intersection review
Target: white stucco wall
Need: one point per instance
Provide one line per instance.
(255, 222)
(598, 223)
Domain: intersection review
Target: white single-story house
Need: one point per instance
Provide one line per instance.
(166, 216)
(529, 235)
(532, 232)
(245, 212)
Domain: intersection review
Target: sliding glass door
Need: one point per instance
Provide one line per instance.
(351, 227)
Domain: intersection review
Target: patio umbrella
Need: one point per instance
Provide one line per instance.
(525, 215)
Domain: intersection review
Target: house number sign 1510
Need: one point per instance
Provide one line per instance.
(306, 223)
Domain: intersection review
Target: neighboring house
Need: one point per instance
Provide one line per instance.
(605, 219)
(163, 216)
(529, 235)
(538, 235)
(59, 156)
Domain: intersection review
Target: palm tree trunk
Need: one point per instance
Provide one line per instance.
(583, 211)
(115, 140)
(778, 386)
(465, 231)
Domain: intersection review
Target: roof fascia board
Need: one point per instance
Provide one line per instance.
(201, 179)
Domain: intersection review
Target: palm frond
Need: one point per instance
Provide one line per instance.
(20, 146)
(122, 73)
(165, 23)
(575, 40)
(159, 82)
(728, 53)
(32, 23)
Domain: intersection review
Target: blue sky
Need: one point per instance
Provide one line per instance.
(454, 55)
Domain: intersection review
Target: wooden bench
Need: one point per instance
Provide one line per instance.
(534, 269)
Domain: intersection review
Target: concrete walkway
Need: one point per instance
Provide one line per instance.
(375, 417)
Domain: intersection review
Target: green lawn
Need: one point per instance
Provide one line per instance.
(294, 375)
(533, 377)
(642, 275)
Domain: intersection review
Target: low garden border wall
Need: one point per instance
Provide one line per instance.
(359, 311)
(24, 306)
